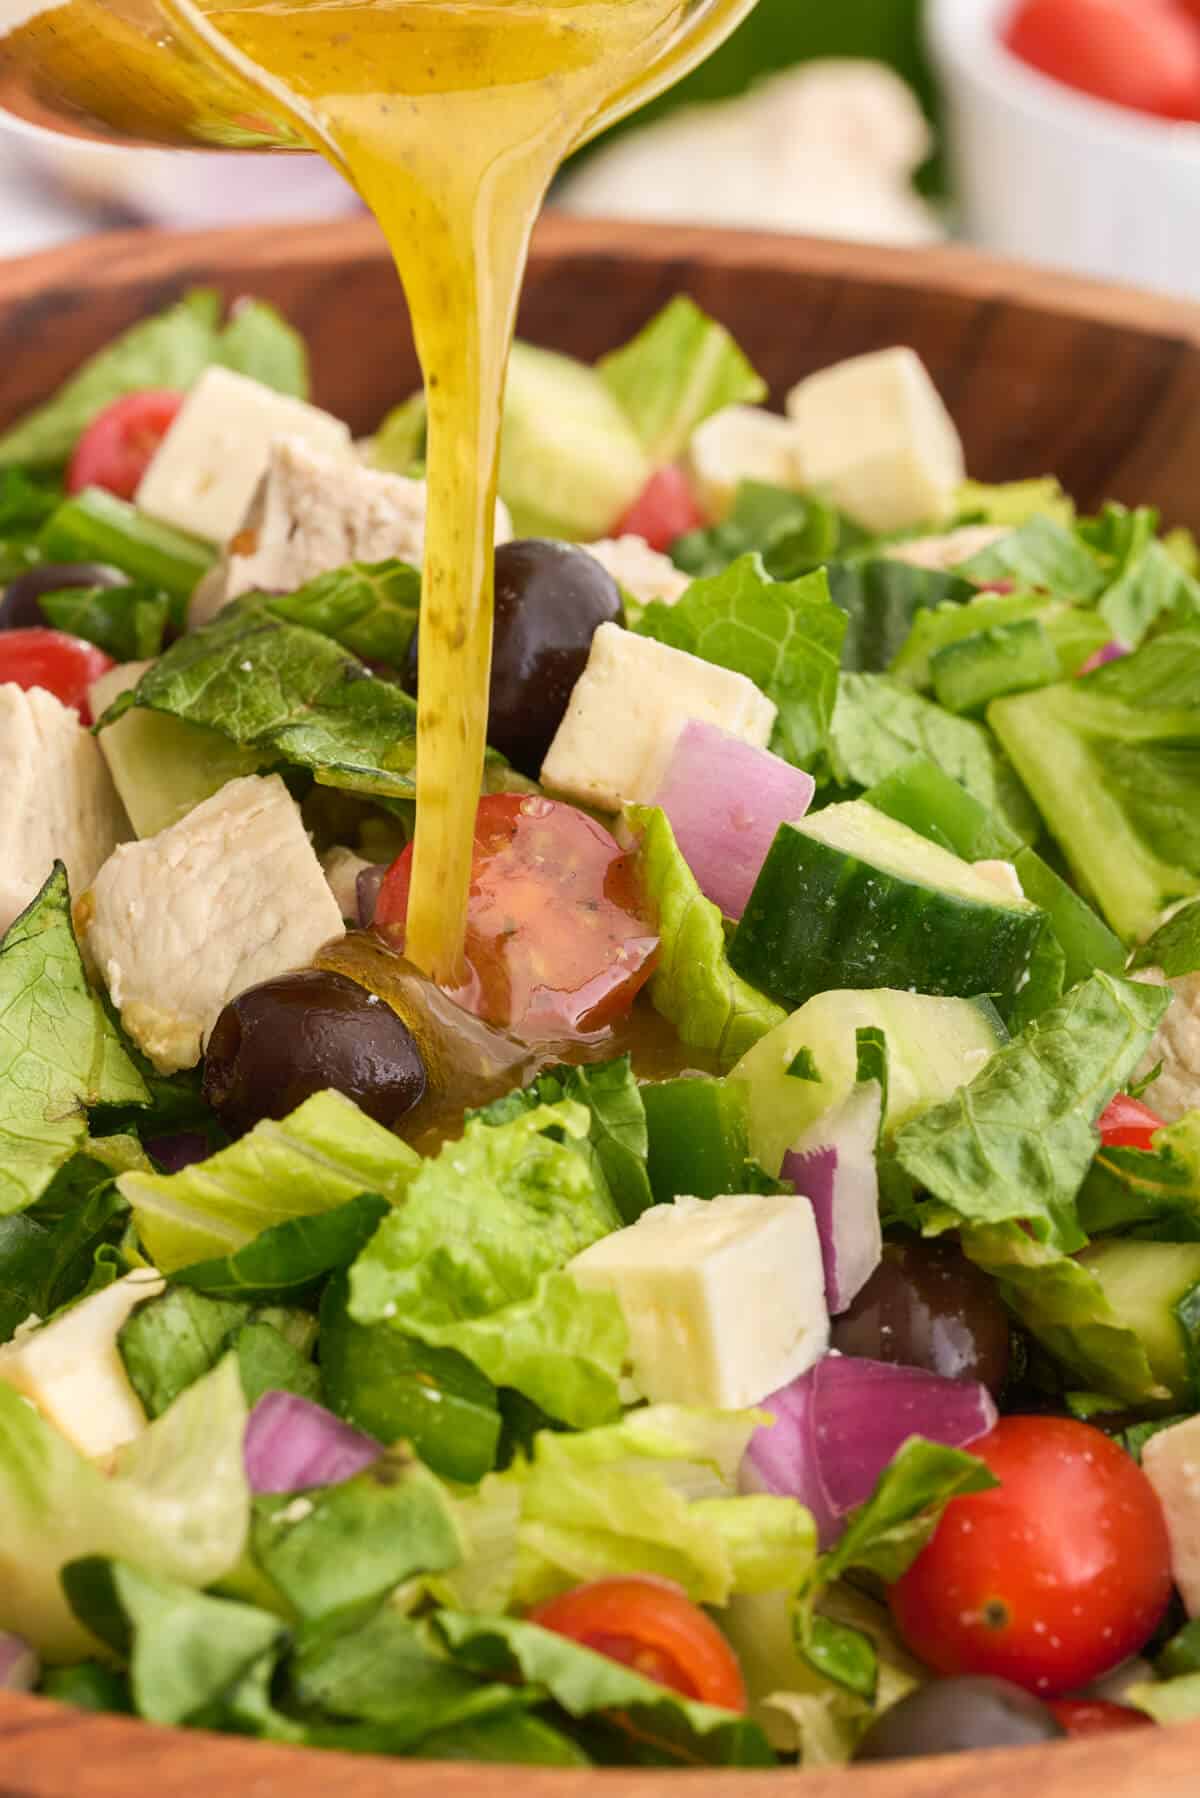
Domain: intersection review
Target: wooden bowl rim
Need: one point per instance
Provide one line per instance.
(52, 1751)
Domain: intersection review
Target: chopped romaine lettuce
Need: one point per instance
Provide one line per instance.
(792, 532)
(59, 1052)
(175, 1339)
(326, 1152)
(369, 608)
(177, 1503)
(289, 1256)
(169, 350)
(1016, 1143)
(1147, 1187)
(128, 623)
(1113, 761)
(693, 985)
(1040, 553)
(785, 636)
(1014, 503)
(1175, 945)
(474, 1260)
(885, 601)
(679, 369)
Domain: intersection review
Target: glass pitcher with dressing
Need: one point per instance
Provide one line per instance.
(450, 117)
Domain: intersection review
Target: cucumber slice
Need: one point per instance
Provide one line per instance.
(851, 898)
(932, 803)
(934, 1047)
(1154, 1288)
(938, 627)
(397, 1389)
(570, 461)
(1009, 658)
(699, 1142)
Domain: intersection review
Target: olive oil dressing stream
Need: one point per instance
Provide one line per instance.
(450, 117)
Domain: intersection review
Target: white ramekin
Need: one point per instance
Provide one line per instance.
(1059, 178)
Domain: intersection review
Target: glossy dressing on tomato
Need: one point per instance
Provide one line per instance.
(450, 117)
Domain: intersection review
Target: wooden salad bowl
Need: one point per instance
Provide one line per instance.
(1043, 373)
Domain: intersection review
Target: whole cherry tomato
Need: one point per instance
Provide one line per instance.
(65, 666)
(1049, 1579)
(1143, 54)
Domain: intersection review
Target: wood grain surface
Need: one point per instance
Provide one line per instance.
(1043, 373)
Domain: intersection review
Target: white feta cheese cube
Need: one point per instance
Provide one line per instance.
(724, 1298)
(181, 922)
(1176, 1045)
(311, 513)
(57, 801)
(204, 472)
(72, 1370)
(642, 571)
(741, 443)
(1171, 1461)
(874, 435)
(627, 710)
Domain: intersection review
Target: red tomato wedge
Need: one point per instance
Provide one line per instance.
(1128, 1124)
(559, 936)
(115, 450)
(65, 666)
(652, 1627)
(1050, 1579)
(1097, 1716)
(665, 509)
(1143, 54)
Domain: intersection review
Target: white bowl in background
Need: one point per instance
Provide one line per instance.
(1055, 176)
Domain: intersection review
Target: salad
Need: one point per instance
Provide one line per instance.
(755, 1315)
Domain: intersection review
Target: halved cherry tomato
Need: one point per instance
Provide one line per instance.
(1097, 1716)
(652, 1626)
(66, 666)
(116, 448)
(1144, 54)
(664, 510)
(559, 935)
(1051, 1578)
(1128, 1124)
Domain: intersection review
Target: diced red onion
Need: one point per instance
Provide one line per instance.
(837, 1427)
(369, 882)
(19, 1666)
(179, 1150)
(292, 1443)
(833, 1165)
(1111, 652)
(725, 800)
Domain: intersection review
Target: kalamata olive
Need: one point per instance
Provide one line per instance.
(550, 600)
(278, 1043)
(951, 1716)
(926, 1305)
(19, 609)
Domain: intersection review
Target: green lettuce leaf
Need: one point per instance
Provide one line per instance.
(792, 532)
(884, 599)
(584, 1683)
(1016, 1143)
(1014, 503)
(287, 692)
(169, 350)
(652, 1494)
(399, 444)
(1153, 589)
(175, 1339)
(618, 1134)
(693, 986)
(1065, 1308)
(291, 1256)
(885, 1535)
(1112, 762)
(474, 1260)
(48, 1255)
(785, 636)
(1143, 1187)
(177, 1503)
(369, 608)
(325, 1153)
(59, 1052)
(879, 726)
(347, 1546)
(679, 369)
(183, 1648)
(128, 623)
(1175, 945)
(1040, 553)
